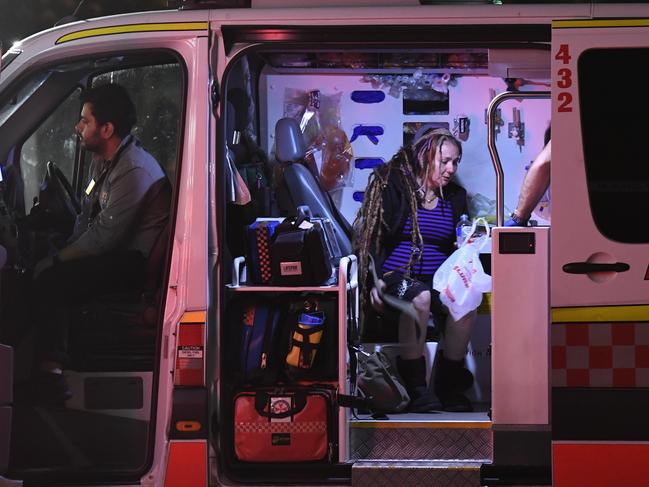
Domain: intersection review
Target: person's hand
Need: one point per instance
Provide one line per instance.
(510, 223)
(472, 238)
(42, 265)
(513, 223)
(375, 299)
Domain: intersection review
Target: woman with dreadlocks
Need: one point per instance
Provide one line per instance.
(407, 227)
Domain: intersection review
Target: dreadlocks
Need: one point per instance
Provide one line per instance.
(411, 165)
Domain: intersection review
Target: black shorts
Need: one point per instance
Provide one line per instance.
(407, 288)
(402, 287)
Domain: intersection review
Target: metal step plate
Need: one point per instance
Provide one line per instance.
(381, 473)
(441, 436)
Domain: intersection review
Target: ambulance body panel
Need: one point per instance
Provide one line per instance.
(185, 34)
(598, 271)
(570, 184)
(563, 295)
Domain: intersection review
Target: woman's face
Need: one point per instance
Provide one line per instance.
(444, 165)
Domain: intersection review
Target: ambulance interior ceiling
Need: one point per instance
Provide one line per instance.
(381, 98)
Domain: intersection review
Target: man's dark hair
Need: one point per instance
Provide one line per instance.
(111, 103)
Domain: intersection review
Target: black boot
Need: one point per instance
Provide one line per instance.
(413, 373)
(451, 380)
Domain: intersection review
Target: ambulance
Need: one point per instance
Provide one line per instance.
(560, 350)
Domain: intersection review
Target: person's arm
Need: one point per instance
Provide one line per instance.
(535, 184)
(112, 224)
(72, 252)
(460, 205)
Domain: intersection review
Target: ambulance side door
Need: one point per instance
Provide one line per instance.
(600, 251)
(600, 175)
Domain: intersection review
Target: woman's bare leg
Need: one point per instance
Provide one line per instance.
(408, 327)
(456, 335)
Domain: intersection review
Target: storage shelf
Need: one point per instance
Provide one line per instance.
(345, 289)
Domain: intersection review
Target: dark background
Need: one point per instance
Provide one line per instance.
(21, 18)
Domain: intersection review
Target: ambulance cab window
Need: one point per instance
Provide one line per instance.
(157, 96)
(615, 125)
(23, 93)
(54, 140)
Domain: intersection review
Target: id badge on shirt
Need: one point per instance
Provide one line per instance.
(91, 186)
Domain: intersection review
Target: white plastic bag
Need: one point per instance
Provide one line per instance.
(461, 280)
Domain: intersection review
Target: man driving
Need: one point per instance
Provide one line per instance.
(124, 209)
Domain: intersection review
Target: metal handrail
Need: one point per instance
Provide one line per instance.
(491, 142)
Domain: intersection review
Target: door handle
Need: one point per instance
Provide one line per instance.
(588, 267)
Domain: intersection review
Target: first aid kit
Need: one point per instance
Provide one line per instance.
(288, 424)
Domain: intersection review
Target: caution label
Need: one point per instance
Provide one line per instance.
(190, 351)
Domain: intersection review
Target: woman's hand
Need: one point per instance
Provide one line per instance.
(375, 299)
(472, 238)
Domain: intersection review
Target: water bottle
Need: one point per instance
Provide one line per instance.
(463, 229)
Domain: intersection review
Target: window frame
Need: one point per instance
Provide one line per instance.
(134, 58)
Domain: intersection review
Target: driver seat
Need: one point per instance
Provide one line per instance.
(118, 332)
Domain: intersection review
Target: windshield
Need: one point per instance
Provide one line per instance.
(9, 56)
(15, 102)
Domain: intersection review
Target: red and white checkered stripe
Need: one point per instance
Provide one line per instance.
(281, 427)
(600, 354)
(263, 238)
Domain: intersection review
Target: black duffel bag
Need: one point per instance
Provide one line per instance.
(299, 253)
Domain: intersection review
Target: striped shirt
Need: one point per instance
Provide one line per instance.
(438, 233)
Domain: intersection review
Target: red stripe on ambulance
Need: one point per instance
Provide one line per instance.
(187, 465)
(600, 464)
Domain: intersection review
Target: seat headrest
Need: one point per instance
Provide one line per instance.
(289, 142)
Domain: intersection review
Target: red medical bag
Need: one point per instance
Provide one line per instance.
(289, 424)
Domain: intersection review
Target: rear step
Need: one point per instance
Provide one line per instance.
(442, 473)
(445, 449)
(440, 436)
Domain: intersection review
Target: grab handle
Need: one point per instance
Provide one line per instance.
(588, 267)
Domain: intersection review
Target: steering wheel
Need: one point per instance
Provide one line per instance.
(57, 199)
